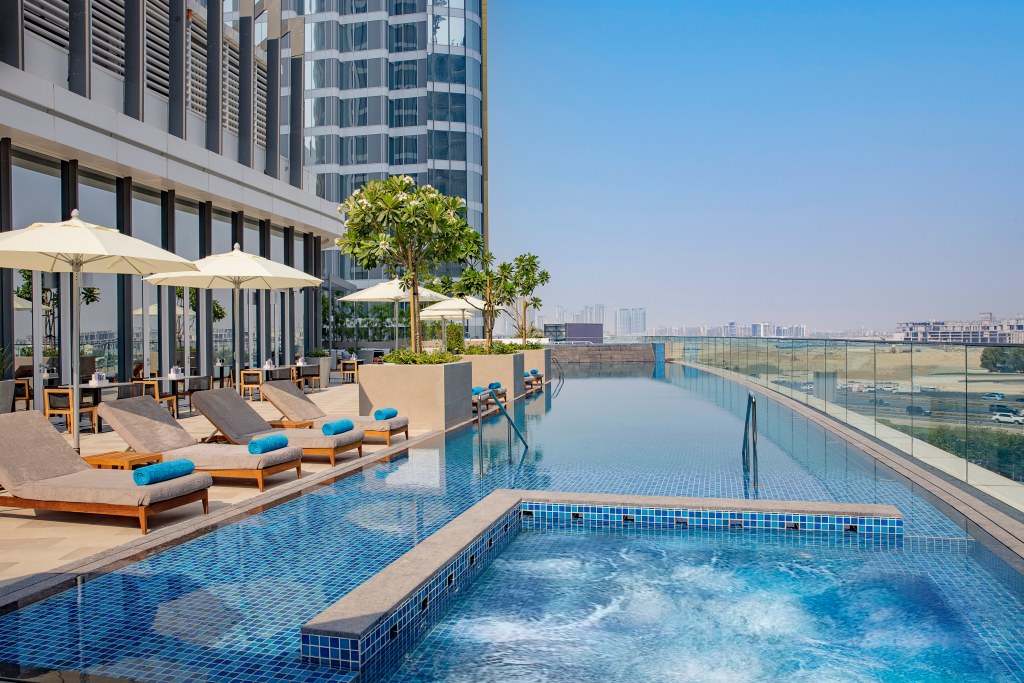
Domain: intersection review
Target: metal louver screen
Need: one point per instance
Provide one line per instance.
(108, 34)
(158, 47)
(197, 68)
(48, 19)
(231, 87)
(261, 105)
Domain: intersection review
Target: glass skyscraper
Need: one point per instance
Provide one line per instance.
(397, 87)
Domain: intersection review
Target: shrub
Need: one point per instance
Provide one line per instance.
(317, 353)
(455, 339)
(409, 357)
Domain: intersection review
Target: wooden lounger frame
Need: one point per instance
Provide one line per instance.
(141, 511)
(258, 474)
(386, 434)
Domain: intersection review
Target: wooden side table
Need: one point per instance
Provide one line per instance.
(122, 460)
(291, 424)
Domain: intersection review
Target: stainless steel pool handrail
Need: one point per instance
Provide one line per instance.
(561, 376)
(750, 441)
(511, 422)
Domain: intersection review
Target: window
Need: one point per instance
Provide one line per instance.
(438, 29)
(352, 37)
(352, 6)
(474, 73)
(402, 75)
(474, 111)
(316, 74)
(353, 74)
(449, 182)
(473, 35)
(447, 107)
(316, 36)
(352, 182)
(403, 150)
(457, 31)
(316, 112)
(445, 68)
(402, 38)
(353, 150)
(318, 149)
(353, 111)
(448, 145)
(399, 7)
(438, 108)
(404, 112)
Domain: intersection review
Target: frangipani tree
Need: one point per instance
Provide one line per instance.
(526, 277)
(492, 285)
(409, 230)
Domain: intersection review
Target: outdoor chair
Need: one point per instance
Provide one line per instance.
(151, 387)
(296, 406)
(57, 403)
(148, 428)
(236, 421)
(194, 384)
(40, 470)
(251, 381)
(23, 386)
(308, 375)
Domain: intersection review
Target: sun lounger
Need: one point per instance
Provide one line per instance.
(295, 405)
(236, 420)
(148, 428)
(40, 471)
(485, 398)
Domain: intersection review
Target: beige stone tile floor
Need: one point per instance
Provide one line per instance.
(39, 541)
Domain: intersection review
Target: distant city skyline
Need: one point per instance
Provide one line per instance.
(843, 165)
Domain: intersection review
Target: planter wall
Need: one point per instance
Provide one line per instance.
(325, 370)
(431, 396)
(6, 395)
(539, 359)
(505, 368)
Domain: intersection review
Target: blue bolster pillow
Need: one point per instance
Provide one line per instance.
(337, 427)
(534, 372)
(385, 414)
(526, 374)
(163, 471)
(478, 390)
(494, 385)
(267, 444)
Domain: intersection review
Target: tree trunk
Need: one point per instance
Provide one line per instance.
(488, 316)
(414, 315)
(525, 330)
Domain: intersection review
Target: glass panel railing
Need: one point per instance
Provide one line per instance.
(955, 407)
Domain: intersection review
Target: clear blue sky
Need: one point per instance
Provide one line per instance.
(834, 163)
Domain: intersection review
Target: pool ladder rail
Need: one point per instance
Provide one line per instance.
(750, 443)
(561, 377)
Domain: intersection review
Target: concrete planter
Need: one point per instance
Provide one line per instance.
(6, 395)
(431, 396)
(506, 368)
(539, 359)
(325, 370)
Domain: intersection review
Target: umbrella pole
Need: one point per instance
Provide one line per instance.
(396, 324)
(75, 354)
(237, 334)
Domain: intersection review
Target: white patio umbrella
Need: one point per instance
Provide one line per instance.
(392, 291)
(452, 309)
(236, 270)
(76, 247)
(22, 304)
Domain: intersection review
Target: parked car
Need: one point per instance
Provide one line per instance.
(918, 410)
(1019, 400)
(1008, 418)
(1000, 408)
(879, 402)
(993, 396)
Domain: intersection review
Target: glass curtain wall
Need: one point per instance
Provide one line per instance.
(146, 225)
(221, 309)
(251, 244)
(299, 301)
(186, 240)
(277, 308)
(97, 203)
(35, 190)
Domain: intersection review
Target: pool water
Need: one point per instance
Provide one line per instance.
(228, 606)
(671, 606)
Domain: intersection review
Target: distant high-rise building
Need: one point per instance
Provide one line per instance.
(631, 321)
(730, 328)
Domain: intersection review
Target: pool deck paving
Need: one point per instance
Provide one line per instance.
(39, 542)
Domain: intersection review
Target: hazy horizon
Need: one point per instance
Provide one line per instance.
(833, 164)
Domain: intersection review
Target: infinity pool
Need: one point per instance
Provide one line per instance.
(228, 606)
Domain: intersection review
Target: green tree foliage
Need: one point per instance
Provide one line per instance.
(51, 307)
(455, 338)
(1002, 359)
(998, 450)
(381, 322)
(409, 230)
(526, 277)
(492, 285)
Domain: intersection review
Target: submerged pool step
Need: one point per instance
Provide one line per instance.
(369, 630)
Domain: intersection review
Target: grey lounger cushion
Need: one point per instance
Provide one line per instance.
(222, 456)
(149, 428)
(113, 487)
(145, 425)
(231, 414)
(290, 400)
(295, 405)
(37, 463)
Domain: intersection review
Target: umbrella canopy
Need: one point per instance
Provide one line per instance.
(392, 291)
(237, 270)
(76, 246)
(22, 304)
(453, 309)
(154, 310)
(83, 248)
